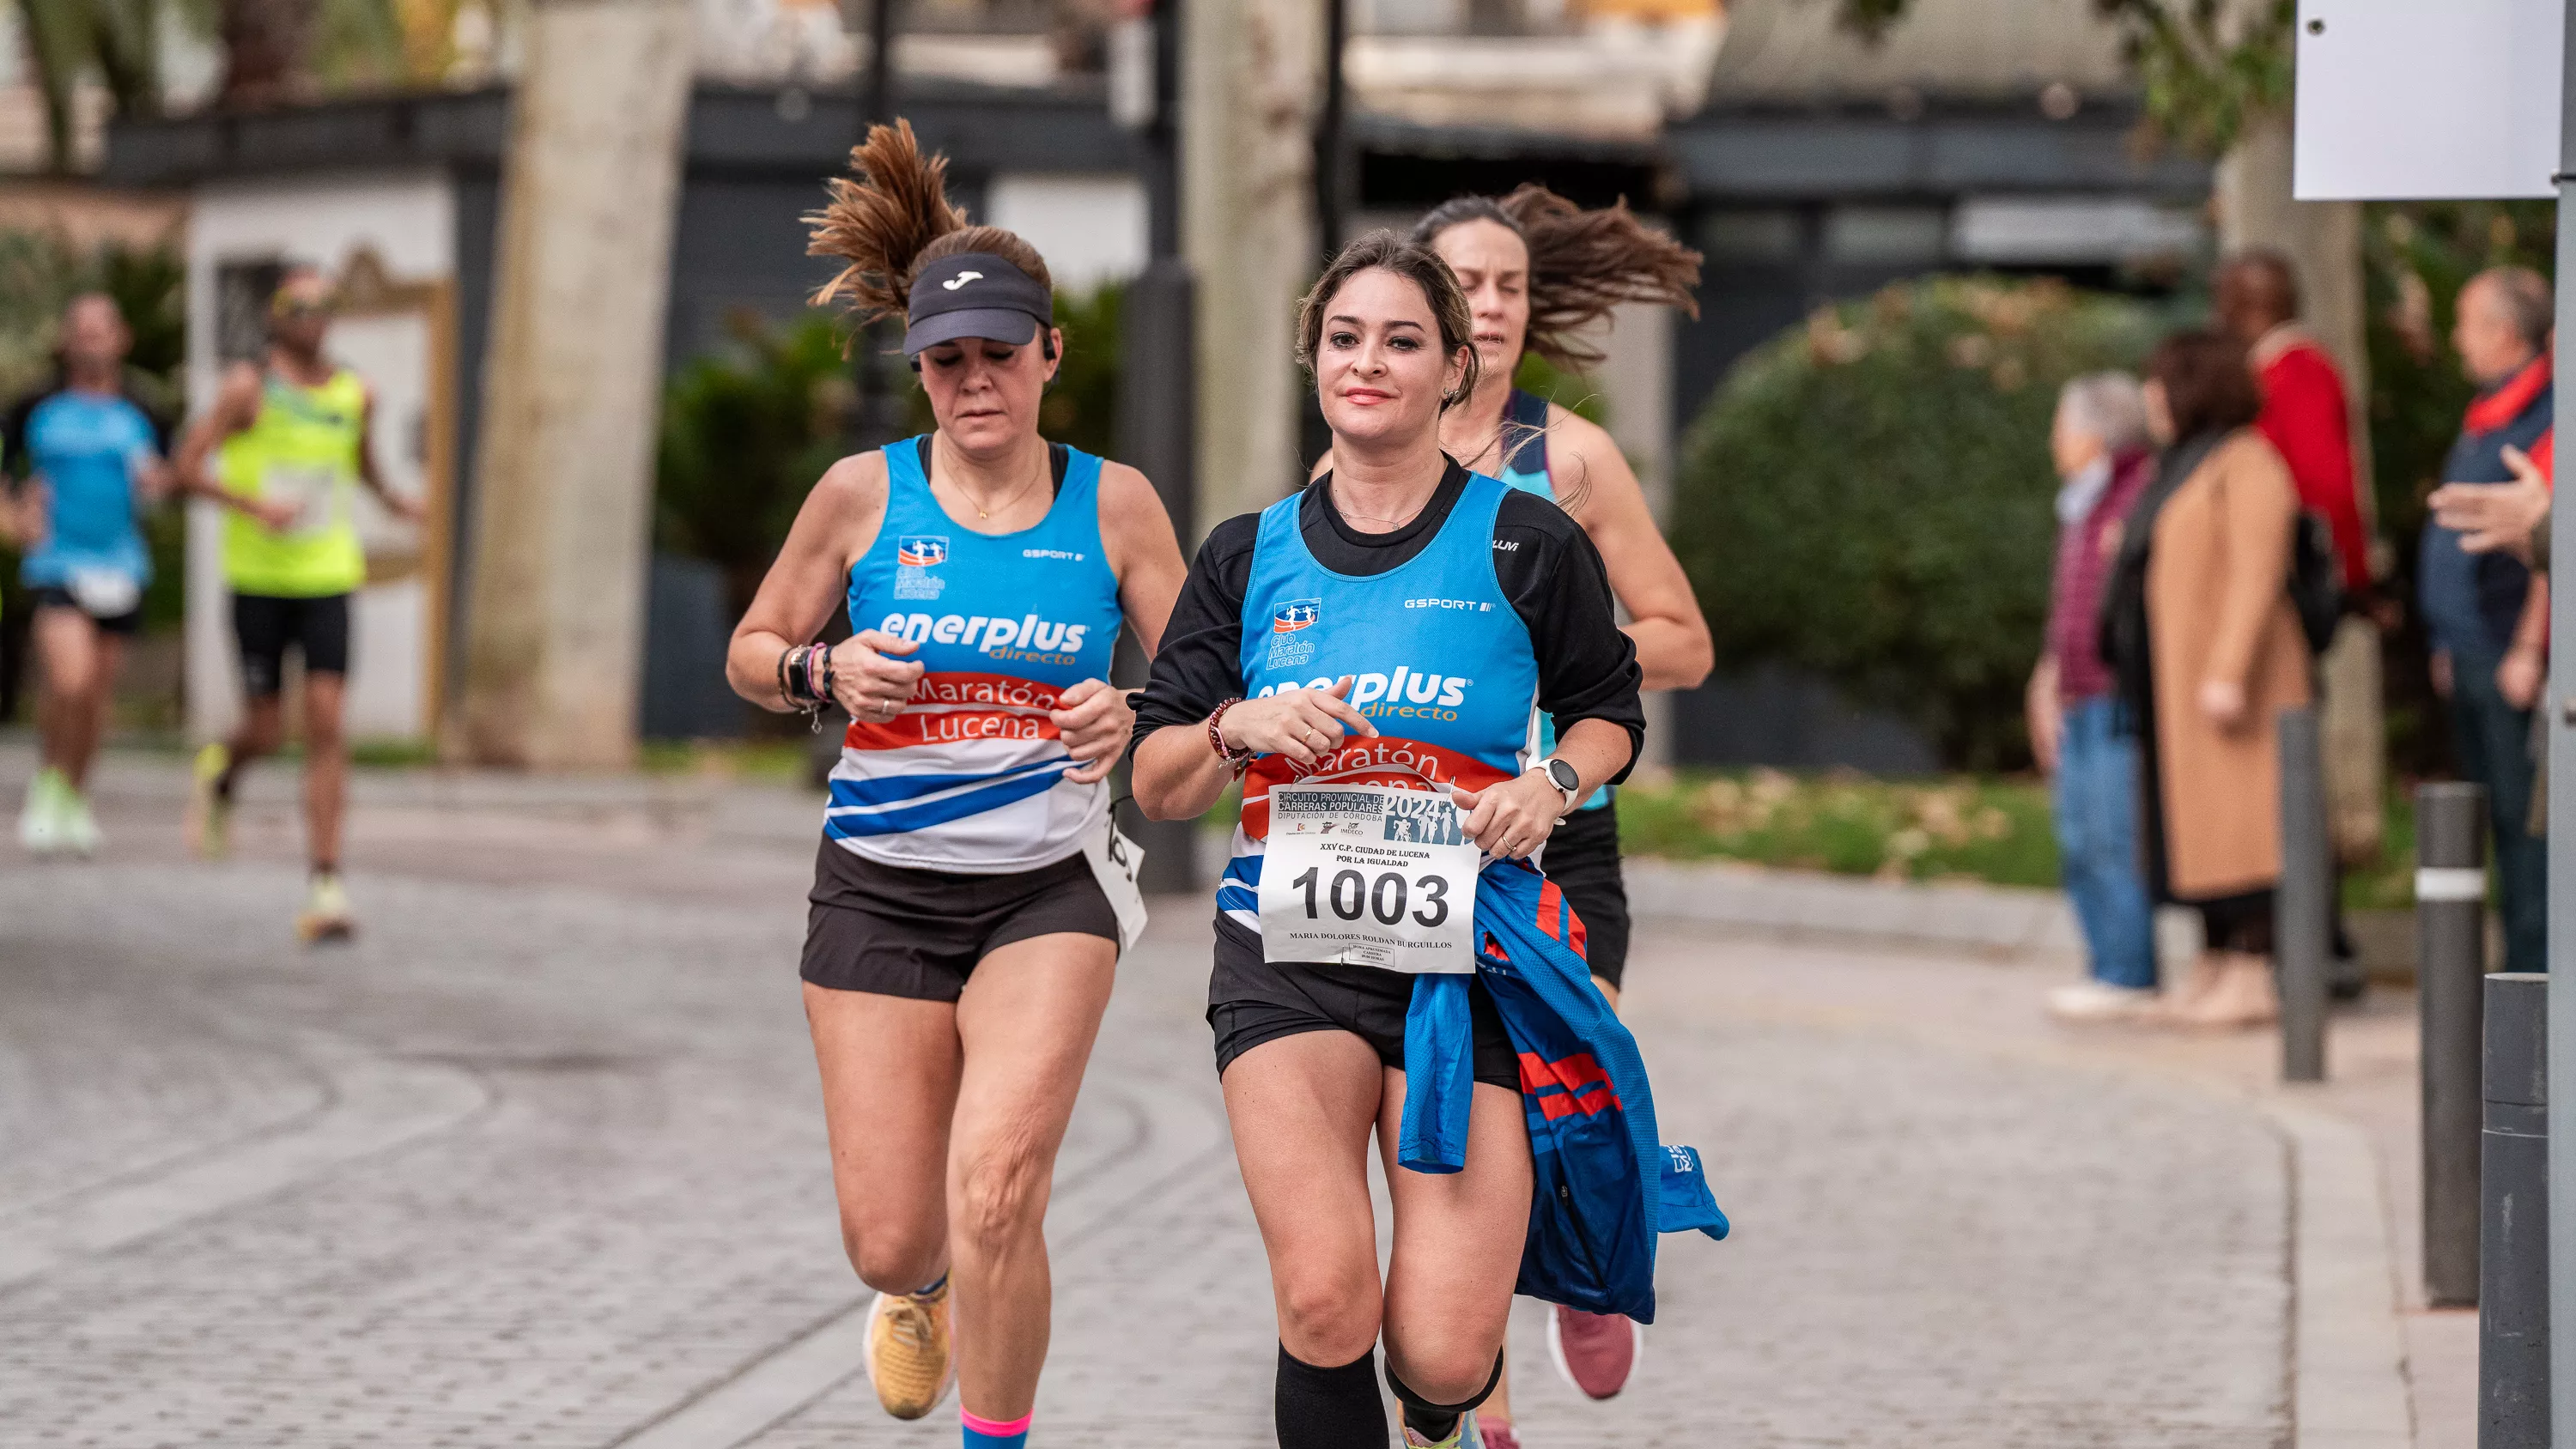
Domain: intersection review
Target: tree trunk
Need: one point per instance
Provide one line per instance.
(1251, 81)
(2322, 239)
(266, 44)
(572, 386)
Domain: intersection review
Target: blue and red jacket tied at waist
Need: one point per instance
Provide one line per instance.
(1606, 1187)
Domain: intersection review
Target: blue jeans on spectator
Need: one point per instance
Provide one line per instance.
(2494, 743)
(2097, 843)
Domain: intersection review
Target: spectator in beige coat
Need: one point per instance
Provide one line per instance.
(2208, 649)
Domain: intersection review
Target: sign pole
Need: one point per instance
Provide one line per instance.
(2562, 813)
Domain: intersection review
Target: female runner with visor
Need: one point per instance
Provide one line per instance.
(968, 910)
(1388, 626)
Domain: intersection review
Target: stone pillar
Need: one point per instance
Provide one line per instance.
(572, 387)
(1635, 378)
(1251, 80)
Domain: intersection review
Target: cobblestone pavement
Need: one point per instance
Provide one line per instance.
(538, 1161)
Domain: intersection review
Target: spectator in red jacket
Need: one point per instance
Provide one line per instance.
(2304, 412)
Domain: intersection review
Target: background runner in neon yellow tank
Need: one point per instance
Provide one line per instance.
(292, 440)
(302, 451)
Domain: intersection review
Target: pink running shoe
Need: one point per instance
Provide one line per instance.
(1498, 1434)
(1594, 1351)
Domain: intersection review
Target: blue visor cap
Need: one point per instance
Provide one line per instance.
(974, 294)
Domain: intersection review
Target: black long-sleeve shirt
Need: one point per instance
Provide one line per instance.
(1548, 568)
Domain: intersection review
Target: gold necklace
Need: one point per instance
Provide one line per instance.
(1395, 523)
(983, 514)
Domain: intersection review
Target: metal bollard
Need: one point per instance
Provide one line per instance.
(2303, 909)
(2450, 961)
(2513, 1240)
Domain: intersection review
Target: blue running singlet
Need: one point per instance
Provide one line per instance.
(1525, 466)
(87, 448)
(969, 778)
(1440, 662)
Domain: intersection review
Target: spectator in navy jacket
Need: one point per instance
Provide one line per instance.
(2487, 617)
(2100, 446)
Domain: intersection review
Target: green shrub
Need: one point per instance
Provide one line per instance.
(1867, 497)
(744, 436)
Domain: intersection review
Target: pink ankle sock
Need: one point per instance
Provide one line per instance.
(983, 1433)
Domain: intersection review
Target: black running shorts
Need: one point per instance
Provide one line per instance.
(1582, 857)
(55, 596)
(895, 931)
(266, 625)
(1251, 1001)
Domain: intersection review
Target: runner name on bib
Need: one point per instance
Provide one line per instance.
(1368, 875)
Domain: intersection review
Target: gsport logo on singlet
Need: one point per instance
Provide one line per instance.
(1439, 661)
(970, 776)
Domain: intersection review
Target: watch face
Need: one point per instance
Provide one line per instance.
(1563, 775)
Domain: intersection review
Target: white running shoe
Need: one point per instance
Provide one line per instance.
(40, 822)
(326, 915)
(79, 827)
(2089, 1000)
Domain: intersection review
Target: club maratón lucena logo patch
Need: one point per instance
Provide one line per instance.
(915, 555)
(1290, 646)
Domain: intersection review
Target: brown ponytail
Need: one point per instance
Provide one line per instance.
(1582, 264)
(895, 217)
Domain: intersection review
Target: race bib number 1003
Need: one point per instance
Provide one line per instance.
(1368, 875)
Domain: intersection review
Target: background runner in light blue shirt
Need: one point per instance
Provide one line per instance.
(85, 459)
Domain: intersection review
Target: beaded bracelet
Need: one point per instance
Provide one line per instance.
(1234, 758)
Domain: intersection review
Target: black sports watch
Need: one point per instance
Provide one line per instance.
(1563, 777)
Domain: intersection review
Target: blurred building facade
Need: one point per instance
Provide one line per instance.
(1807, 164)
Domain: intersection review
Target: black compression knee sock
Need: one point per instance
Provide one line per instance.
(1329, 1408)
(1435, 1421)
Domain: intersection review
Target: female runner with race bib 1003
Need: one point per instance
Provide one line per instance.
(971, 896)
(1391, 627)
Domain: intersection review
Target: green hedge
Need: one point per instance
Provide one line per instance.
(1867, 497)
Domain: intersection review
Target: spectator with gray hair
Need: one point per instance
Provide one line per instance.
(2100, 446)
(2486, 613)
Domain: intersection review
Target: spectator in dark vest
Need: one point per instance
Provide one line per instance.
(2487, 618)
(2100, 446)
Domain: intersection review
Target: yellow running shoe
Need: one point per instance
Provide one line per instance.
(325, 916)
(908, 1354)
(209, 821)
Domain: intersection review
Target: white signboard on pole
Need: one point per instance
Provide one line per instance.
(2427, 99)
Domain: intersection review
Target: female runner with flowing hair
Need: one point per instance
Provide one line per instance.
(1542, 276)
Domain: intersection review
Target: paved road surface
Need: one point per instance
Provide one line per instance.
(539, 1162)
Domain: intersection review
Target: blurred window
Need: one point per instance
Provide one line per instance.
(1749, 236)
(1887, 235)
